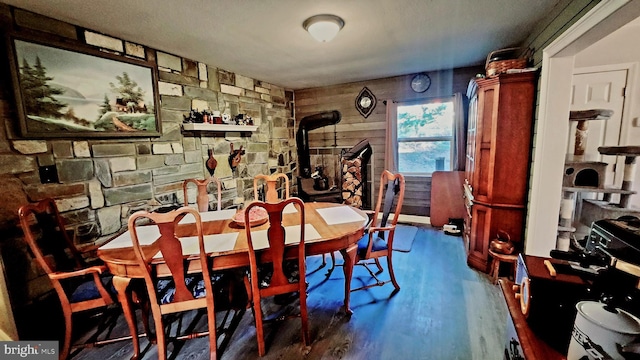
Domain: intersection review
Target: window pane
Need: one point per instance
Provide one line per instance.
(425, 120)
(424, 156)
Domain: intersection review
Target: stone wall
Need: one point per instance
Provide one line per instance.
(102, 181)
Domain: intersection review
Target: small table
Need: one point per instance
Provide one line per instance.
(122, 262)
(499, 259)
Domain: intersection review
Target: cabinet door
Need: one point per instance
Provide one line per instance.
(485, 224)
(512, 142)
(479, 237)
(485, 141)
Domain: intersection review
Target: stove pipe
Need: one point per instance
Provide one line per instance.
(308, 123)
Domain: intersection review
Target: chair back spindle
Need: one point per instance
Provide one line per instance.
(271, 182)
(378, 242)
(202, 198)
(391, 194)
(282, 277)
(176, 291)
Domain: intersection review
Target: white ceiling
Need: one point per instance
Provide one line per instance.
(264, 39)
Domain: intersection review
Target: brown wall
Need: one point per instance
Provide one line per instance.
(354, 127)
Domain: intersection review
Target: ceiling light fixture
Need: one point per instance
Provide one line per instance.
(323, 27)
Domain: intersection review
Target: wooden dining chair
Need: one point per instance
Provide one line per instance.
(174, 292)
(378, 242)
(202, 198)
(79, 287)
(281, 278)
(270, 183)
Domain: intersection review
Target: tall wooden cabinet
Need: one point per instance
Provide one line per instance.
(498, 158)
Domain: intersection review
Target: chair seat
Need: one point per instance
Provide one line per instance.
(166, 288)
(378, 245)
(87, 290)
(280, 276)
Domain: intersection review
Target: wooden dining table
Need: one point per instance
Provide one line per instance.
(333, 236)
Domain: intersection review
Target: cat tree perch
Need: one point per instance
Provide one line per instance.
(630, 153)
(605, 209)
(583, 117)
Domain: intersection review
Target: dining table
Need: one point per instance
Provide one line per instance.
(329, 227)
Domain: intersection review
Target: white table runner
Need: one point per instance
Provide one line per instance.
(289, 209)
(212, 243)
(292, 236)
(209, 216)
(146, 235)
(339, 215)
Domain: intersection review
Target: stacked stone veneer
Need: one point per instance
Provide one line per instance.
(101, 181)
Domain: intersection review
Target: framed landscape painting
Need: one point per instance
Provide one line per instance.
(71, 91)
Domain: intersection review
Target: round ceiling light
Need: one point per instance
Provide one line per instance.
(323, 27)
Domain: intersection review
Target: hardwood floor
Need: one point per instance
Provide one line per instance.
(444, 310)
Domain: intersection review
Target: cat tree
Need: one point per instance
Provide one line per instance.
(584, 176)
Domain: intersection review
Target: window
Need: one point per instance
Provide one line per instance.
(425, 136)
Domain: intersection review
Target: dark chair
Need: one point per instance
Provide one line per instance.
(280, 277)
(175, 291)
(80, 287)
(202, 199)
(378, 242)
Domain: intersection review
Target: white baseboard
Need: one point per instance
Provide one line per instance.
(411, 219)
(425, 220)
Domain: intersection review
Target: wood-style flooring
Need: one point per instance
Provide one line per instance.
(444, 310)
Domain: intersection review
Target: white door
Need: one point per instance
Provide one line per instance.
(600, 90)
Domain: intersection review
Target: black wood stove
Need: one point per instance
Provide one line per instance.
(313, 185)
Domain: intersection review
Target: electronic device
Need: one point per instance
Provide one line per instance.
(605, 266)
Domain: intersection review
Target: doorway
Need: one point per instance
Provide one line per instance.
(600, 90)
(551, 138)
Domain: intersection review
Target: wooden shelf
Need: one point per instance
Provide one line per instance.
(596, 190)
(218, 127)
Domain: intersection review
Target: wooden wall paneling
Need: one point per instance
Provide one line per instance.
(353, 127)
(415, 210)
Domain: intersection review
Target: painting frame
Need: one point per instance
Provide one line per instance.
(71, 90)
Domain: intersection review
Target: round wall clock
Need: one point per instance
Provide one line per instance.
(365, 102)
(420, 83)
